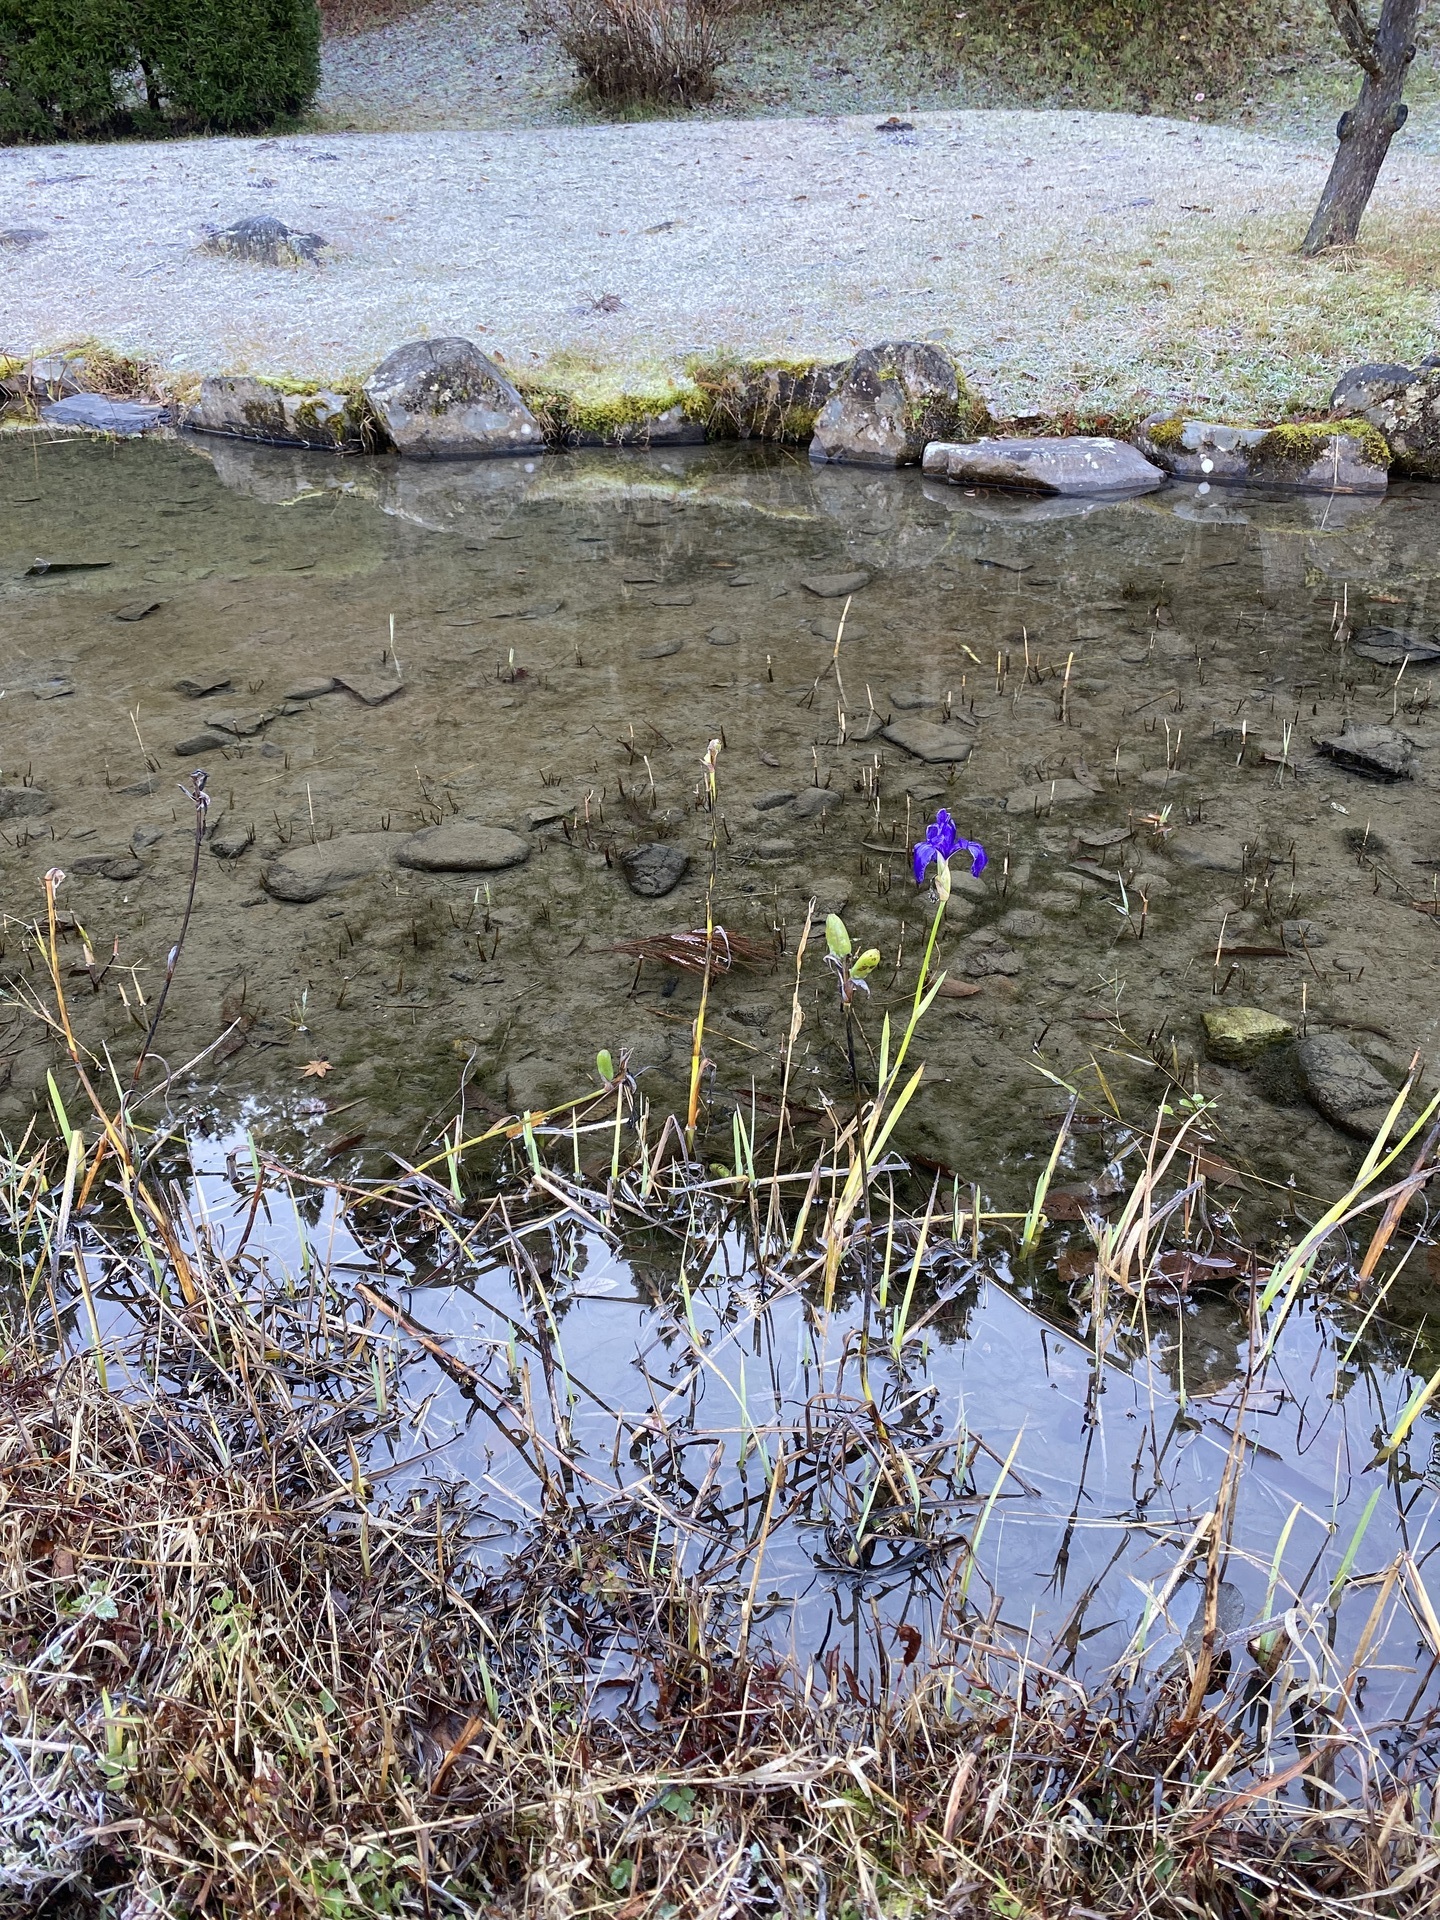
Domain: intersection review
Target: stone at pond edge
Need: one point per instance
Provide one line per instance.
(463, 846)
(244, 408)
(1391, 647)
(835, 586)
(1374, 752)
(1341, 1084)
(891, 401)
(265, 241)
(126, 419)
(928, 741)
(308, 873)
(442, 399)
(1346, 456)
(1237, 1036)
(655, 868)
(1072, 465)
(1404, 405)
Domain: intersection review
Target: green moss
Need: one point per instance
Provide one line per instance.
(763, 398)
(594, 410)
(1300, 444)
(1168, 435)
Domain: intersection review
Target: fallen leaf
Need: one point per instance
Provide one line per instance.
(316, 1069)
(958, 990)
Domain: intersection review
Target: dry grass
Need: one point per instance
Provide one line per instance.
(255, 1658)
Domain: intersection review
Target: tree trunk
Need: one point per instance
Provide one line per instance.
(1365, 132)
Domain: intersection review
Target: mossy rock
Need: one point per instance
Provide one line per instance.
(286, 412)
(1338, 456)
(589, 416)
(1238, 1036)
(764, 399)
(892, 401)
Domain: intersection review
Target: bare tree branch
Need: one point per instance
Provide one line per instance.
(1357, 33)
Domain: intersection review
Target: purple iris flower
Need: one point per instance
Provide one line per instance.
(940, 842)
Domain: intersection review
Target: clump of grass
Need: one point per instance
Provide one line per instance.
(643, 52)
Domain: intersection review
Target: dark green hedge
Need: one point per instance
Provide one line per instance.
(86, 69)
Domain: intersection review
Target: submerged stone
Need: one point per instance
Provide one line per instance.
(1392, 647)
(23, 803)
(1341, 1084)
(891, 401)
(836, 586)
(1237, 1036)
(928, 741)
(126, 419)
(1071, 465)
(444, 400)
(1348, 456)
(308, 873)
(655, 869)
(1374, 752)
(463, 846)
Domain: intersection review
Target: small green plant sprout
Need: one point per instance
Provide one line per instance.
(605, 1066)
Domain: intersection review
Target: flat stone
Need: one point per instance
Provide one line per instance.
(1390, 647)
(662, 650)
(986, 962)
(1215, 852)
(264, 241)
(1302, 936)
(1341, 1084)
(655, 868)
(241, 407)
(443, 399)
(202, 743)
(1022, 923)
(768, 802)
(548, 814)
(1236, 1036)
(23, 803)
(309, 872)
(721, 637)
(1056, 793)
(315, 689)
(814, 803)
(195, 686)
(138, 610)
(835, 586)
(927, 741)
(1311, 458)
(1071, 465)
(911, 702)
(1374, 752)
(109, 866)
(243, 726)
(463, 846)
(229, 839)
(371, 689)
(126, 419)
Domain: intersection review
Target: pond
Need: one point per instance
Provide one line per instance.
(454, 723)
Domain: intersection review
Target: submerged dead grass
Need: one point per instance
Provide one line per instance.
(254, 1659)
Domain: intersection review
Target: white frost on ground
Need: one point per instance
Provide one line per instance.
(1066, 257)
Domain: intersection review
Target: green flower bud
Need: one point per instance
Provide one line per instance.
(604, 1065)
(836, 938)
(866, 964)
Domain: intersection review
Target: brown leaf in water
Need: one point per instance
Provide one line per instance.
(315, 1069)
(1074, 1264)
(959, 990)
(909, 1638)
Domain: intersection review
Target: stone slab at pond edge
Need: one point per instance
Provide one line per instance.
(1074, 464)
(246, 408)
(1347, 456)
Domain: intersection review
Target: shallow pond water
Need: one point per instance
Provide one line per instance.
(1121, 701)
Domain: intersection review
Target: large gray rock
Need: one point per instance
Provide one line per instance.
(310, 872)
(1340, 1083)
(1349, 457)
(443, 400)
(463, 846)
(927, 741)
(245, 408)
(891, 402)
(1073, 464)
(265, 241)
(124, 418)
(1375, 752)
(1404, 405)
